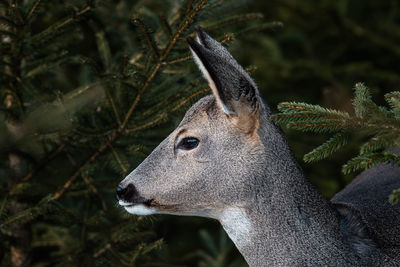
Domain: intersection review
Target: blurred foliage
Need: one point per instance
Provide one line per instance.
(89, 88)
(380, 124)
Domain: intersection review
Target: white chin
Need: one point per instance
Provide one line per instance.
(140, 209)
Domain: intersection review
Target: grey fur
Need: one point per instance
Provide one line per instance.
(243, 163)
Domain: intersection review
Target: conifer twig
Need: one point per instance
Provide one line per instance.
(89, 183)
(181, 59)
(164, 114)
(47, 31)
(69, 182)
(118, 159)
(106, 247)
(110, 98)
(189, 7)
(32, 10)
(182, 28)
(43, 164)
(139, 95)
(17, 12)
(153, 49)
(235, 20)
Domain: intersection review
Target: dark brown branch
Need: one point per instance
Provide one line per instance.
(89, 183)
(153, 49)
(42, 164)
(110, 98)
(163, 115)
(69, 182)
(243, 18)
(63, 24)
(33, 8)
(189, 7)
(184, 26)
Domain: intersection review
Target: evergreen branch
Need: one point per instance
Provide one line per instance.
(328, 148)
(104, 48)
(270, 25)
(289, 107)
(369, 160)
(139, 95)
(111, 100)
(374, 111)
(60, 25)
(148, 124)
(186, 100)
(45, 67)
(80, 90)
(69, 182)
(43, 163)
(166, 26)
(182, 28)
(6, 21)
(362, 96)
(164, 114)
(324, 127)
(308, 117)
(28, 214)
(119, 161)
(8, 33)
(106, 133)
(393, 99)
(32, 10)
(182, 59)
(235, 20)
(4, 207)
(394, 196)
(148, 38)
(189, 7)
(379, 142)
(89, 183)
(106, 247)
(16, 10)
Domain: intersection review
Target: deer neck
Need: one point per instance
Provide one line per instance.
(287, 222)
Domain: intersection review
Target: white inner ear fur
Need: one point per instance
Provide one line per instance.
(198, 40)
(210, 82)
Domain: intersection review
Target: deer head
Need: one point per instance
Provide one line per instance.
(210, 161)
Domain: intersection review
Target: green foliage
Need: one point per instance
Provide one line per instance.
(217, 254)
(380, 124)
(83, 84)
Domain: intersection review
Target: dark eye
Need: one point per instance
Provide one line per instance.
(188, 143)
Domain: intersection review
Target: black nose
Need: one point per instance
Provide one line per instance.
(126, 193)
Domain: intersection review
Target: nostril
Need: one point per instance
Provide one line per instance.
(126, 193)
(120, 192)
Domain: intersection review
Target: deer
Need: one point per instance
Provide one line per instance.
(228, 161)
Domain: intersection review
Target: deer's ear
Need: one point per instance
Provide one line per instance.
(235, 91)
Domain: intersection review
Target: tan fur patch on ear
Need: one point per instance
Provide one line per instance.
(247, 119)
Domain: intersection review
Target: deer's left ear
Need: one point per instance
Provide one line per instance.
(235, 91)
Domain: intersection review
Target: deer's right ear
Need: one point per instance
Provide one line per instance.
(235, 91)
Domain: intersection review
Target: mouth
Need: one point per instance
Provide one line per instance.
(142, 208)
